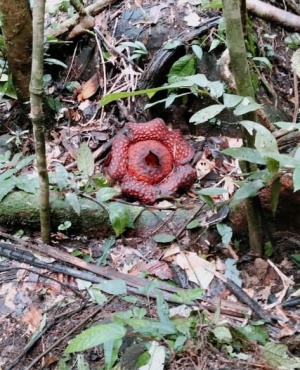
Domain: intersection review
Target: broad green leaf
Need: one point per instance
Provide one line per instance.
(245, 154)
(199, 79)
(255, 333)
(111, 351)
(248, 190)
(54, 104)
(225, 232)
(283, 159)
(215, 43)
(245, 106)
(172, 44)
(231, 100)
(188, 296)
(193, 224)
(85, 160)
(105, 194)
(95, 336)
(114, 287)
(119, 217)
(7, 174)
(15, 159)
(289, 126)
(25, 162)
(212, 191)
(197, 51)
(206, 114)
(55, 62)
(61, 176)
(184, 66)
(222, 334)
(272, 166)
(107, 245)
(96, 295)
(162, 308)
(164, 238)
(6, 187)
(27, 184)
(73, 200)
(151, 327)
(275, 193)
(263, 60)
(216, 88)
(297, 155)
(296, 178)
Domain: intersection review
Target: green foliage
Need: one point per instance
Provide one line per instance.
(11, 165)
(139, 49)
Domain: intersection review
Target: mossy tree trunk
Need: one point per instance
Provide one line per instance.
(240, 70)
(17, 33)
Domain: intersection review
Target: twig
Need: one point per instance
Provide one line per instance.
(296, 108)
(55, 344)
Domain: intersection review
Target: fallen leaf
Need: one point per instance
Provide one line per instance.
(192, 20)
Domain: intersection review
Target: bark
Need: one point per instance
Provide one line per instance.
(274, 14)
(37, 116)
(20, 209)
(242, 77)
(17, 32)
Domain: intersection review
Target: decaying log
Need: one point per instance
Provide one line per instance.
(21, 209)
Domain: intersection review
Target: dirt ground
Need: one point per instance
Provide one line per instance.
(33, 299)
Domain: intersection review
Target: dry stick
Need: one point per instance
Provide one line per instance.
(36, 338)
(92, 10)
(271, 13)
(55, 344)
(296, 108)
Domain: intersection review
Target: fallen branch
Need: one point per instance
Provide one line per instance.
(274, 14)
(92, 10)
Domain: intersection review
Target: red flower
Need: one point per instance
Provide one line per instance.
(150, 161)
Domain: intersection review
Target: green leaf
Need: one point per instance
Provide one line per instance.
(105, 194)
(27, 184)
(222, 334)
(162, 308)
(193, 224)
(61, 176)
(255, 333)
(53, 61)
(245, 106)
(215, 43)
(54, 104)
(151, 327)
(245, 154)
(95, 336)
(82, 363)
(188, 296)
(225, 232)
(25, 162)
(199, 79)
(289, 126)
(172, 44)
(119, 217)
(275, 193)
(212, 191)
(96, 295)
(73, 200)
(111, 351)
(216, 88)
(85, 160)
(248, 190)
(107, 245)
(206, 114)
(184, 66)
(164, 238)
(264, 60)
(197, 51)
(115, 287)
(6, 187)
(231, 100)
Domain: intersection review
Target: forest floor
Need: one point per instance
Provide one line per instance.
(216, 328)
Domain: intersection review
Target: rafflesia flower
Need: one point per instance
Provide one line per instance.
(150, 161)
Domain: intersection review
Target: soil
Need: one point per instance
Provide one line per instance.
(27, 293)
